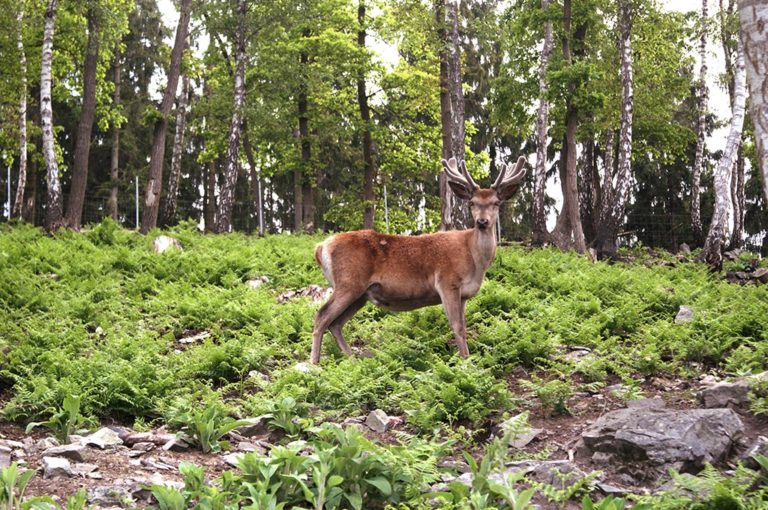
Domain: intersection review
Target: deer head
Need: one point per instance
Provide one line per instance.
(484, 202)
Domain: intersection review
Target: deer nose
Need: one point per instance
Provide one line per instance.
(482, 223)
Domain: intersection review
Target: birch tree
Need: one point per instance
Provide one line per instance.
(155, 180)
(753, 17)
(169, 213)
(701, 129)
(712, 253)
(369, 171)
(540, 234)
(613, 206)
(227, 193)
(53, 200)
(114, 159)
(22, 182)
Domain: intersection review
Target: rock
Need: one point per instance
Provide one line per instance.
(54, 467)
(175, 444)
(162, 244)
(5, 457)
(143, 446)
(10, 443)
(760, 274)
(611, 490)
(117, 495)
(103, 438)
(233, 459)
(69, 451)
(156, 438)
(558, 473)
(759, 447)
(254, 426)
(684, 248)
(733, 254)
(316, 293)
(190, 339)
(257, 282)
(156, 465)
(523, 438)
(654, 440)
(84, 469)
(725, 394)
(47, 442)
(259, 376)
(352, 420)
(305, 367)
(684, 315)
(247, 446)
(378, 421)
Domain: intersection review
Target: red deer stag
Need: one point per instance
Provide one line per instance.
(407, 272)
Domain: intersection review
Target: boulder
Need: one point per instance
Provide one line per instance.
(651, 440)
(103, 438)
(54, 467)
(733, 394)
(760, 274)
(162, 244)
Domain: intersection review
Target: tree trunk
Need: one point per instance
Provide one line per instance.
(255, 176)
(753, 16)
(74, 214)
(304, 198)
(451, 100)
(369, 172)
(737, 200)
(53, 200)
(716, 237)
(540, 235)
(209, 197)
(171, 202)
(114, 160)
(568, 229)
(227, 193)
(155, 180)
(701, 131)
(612, 213)
(18, 203)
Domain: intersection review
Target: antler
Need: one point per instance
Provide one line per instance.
(509, 177)
(459, 175)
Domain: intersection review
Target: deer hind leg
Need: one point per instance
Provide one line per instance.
(454, 304)
(339, 322)
(331, 311)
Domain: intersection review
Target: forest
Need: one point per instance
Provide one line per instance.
(299, 116)
(171, 166)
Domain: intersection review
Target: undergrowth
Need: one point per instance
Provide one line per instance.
(100, 316)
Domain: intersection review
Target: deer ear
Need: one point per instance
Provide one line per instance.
(509, 180)
(457, 182)
(460, 190)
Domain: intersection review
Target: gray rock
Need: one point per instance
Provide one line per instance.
(684, 315)
(84, 469)
(257, 282)
(162, 244)
(558, 473)
(54, 467)
(69, 451)
(611, 490)
(103, 438)
(305, 367)
(175, 444)
(254, 426)
(758, 447)
(233, 459)
(143, 446)
(725, 394)
(760, 274)
(378, 421)
(5, 457)
(47, 442)
(118, 495)
(654, 440)
(684, 248)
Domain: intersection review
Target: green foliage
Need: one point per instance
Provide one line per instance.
(758, 396)
(206, 426)
(64, 421)
(553, 395)
(14, 483)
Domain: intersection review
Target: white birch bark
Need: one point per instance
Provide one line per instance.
(227, 194)
(53, 205)
(176, 154)
(716, 237)
(22, 182)
(542, 123)
(701, 129)
(753, 15)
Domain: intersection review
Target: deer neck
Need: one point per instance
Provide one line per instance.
(483, 247)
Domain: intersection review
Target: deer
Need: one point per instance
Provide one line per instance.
(401, 273)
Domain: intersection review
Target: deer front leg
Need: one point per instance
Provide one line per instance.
(332, 310)
(453, 304)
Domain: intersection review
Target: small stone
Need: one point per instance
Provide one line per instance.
(684, 315)
(255, 374)
(378, 421)
(175, 445)
(56, 466)
(47, 442)
(684, 248)
(194, 338)
(10, 443)
(5, 459)
(143, 446)
(253, 426)
(69, 451)
(103, 438)
(162, 244)
(305, 367)
(19, 454)
(761, 275)
(247, 446)
(233, 459)
(257, 282)
(725, 394)
(610, 490)
(84, 469)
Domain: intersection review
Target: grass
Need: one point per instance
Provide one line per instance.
(98, 315)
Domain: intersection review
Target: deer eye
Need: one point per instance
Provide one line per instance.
(497, 203)
(472, 203)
